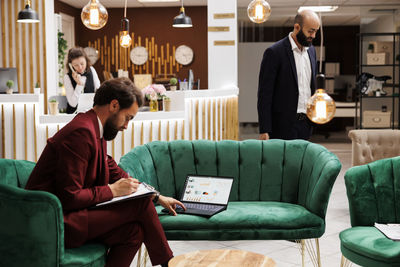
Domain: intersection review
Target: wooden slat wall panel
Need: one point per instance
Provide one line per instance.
(21, 45)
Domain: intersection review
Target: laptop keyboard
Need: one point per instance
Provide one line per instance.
(208, 207)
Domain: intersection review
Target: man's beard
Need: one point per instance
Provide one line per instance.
(302, 39)
(110, 129)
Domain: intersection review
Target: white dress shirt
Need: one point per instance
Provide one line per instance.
(303, 69)
(72, 93)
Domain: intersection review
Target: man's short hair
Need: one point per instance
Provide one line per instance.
(299, 19)
(121, 89)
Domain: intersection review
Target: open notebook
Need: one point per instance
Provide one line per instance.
(143, 190)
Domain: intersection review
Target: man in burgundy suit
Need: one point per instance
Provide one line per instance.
(75, 167)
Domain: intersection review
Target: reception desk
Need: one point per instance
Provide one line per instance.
(196, 114)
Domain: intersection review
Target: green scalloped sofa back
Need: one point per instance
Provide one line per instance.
(280, 191)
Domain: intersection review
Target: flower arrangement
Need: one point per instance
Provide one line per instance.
(154, 92)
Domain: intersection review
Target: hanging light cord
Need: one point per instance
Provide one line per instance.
(322, 42)
(125, 9)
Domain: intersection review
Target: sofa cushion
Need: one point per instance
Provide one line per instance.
(250, 220)
(369, 242)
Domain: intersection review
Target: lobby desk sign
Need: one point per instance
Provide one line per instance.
(225, 42)
(224, 15)
(218, 29)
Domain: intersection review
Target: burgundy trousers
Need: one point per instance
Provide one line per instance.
(124, 227)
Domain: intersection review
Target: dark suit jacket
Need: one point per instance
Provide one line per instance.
(278, 91)
(75, 167)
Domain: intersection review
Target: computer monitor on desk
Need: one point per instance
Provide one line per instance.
(5, 75)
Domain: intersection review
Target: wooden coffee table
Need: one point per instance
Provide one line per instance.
(221, 258)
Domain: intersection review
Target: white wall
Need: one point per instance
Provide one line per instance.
(249, 58)
(222, 60)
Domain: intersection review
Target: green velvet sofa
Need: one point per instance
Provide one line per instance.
(373, 191)
(280, 191)
(32, 226)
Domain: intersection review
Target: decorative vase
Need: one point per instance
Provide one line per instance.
(160, 105)
(153, 105)
(9, 91)
(167, 104)
(53, 107)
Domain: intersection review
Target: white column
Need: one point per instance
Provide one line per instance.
(51, 50)
(222, 60)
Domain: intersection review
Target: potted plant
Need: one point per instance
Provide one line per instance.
(173, 82)
(167, 103)
(371, 48)
(10, 85)
(53, 106)
(36, 88)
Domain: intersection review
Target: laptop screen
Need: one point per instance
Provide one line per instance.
(207, 189)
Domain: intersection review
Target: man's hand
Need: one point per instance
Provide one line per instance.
(264, 136)
(124, 186)
(170, 204)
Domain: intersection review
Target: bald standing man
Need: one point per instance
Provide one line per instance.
(287, 81)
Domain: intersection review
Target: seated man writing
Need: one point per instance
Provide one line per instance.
(75, 167)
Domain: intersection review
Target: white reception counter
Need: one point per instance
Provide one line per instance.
(197, 114)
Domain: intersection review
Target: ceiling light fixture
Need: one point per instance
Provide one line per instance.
(321, 107)
(125, 39)
(318, 8)
(94, 15)
(28, 15)
(182, 21)
(259, 11)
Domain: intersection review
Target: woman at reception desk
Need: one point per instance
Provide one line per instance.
(81, 78)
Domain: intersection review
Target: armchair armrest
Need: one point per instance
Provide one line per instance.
(31, 228)
(319, 172)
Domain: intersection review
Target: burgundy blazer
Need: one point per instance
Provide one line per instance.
(75, 167)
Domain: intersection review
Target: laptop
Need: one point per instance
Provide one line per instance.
(205, 195)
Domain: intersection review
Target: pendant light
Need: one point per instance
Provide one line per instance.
(125, 39)
(94, 15)
(258, 11)
(321, 107)
(182, 21)
(28, 15)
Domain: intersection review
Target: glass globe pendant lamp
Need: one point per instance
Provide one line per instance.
(321, 107)
(94, 15)
(258, 11)
(125, 39)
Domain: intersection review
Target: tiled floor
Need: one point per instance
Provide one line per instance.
(285, 253)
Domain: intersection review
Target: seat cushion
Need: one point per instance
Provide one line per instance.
(367, 246)
(88, 255)
(251, 220)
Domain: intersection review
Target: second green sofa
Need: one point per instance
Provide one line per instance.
(280, 191)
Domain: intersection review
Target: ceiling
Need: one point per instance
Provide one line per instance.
(350, 12)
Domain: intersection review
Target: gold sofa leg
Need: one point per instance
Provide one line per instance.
(345, 262)
(315, 256)
(142, 257)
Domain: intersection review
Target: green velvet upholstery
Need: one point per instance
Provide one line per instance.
(280, 191)
(373, 191)
(32, 226)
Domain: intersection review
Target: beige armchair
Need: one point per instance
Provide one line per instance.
(370, 145)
